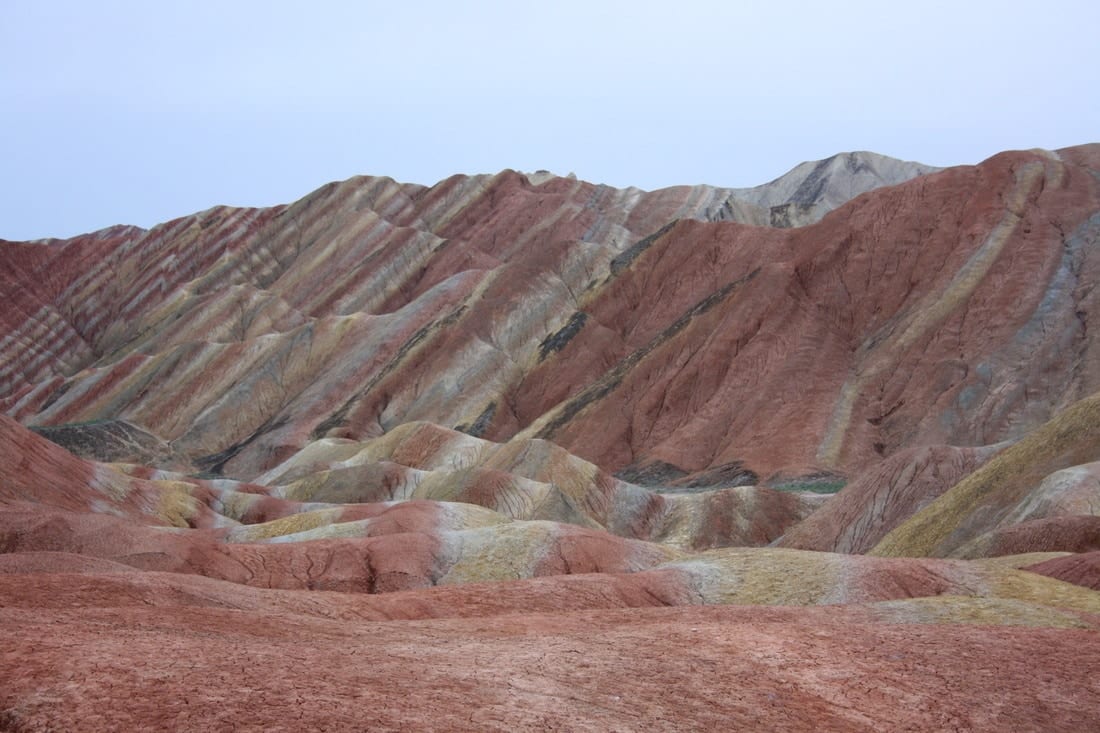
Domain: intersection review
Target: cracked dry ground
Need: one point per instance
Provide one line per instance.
(701, 668)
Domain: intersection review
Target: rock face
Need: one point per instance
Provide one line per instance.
(577, 314)
(114, 441)
(521, 451)
(810, 190)
(238, 335)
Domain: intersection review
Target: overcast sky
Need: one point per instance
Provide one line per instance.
(137, 112)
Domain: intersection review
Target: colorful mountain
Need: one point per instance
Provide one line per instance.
(518, 450)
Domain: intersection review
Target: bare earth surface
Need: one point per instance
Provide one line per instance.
(122, 666)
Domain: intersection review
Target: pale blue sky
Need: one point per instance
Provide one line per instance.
(137, 112)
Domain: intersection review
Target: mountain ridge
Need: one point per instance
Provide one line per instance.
(404, 266)
(771, 192)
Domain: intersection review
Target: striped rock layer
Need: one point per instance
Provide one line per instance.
(238, 335)
(633, 329)
(481, 454)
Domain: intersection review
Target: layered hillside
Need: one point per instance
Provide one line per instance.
(182, 599)
(595, 318)
(481, 452)
(239, 335)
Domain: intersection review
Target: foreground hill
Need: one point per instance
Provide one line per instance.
(518, 450)
(126, 664)
(480, 621)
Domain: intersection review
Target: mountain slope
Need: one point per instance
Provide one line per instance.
(504, 308)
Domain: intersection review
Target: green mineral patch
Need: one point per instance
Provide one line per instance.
(816, 486)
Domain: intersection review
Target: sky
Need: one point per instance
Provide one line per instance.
(138, 112)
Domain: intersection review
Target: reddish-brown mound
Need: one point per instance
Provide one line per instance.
(389, 562)
(404, 547)
(1055, 534)
(37, 471)
(1001, 507)
(883, 497)
(1082, 569)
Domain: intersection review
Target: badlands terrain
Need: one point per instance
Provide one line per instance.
(521, 452)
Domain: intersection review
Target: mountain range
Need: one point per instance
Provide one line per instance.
(517, 450)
